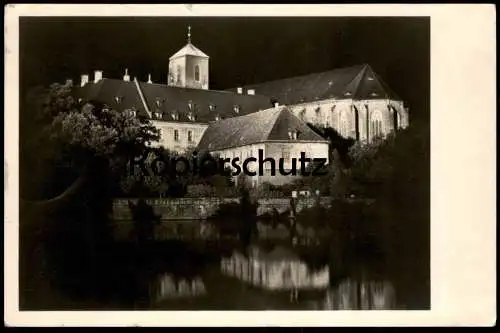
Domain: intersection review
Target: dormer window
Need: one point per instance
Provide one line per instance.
(158, 115)
(347, 93)
(370, 78)
(159, 102)
(373, 94)
(292, 134)
(190, 105)
(118, 99)
(302, 114)
(175, 116)
(79, 100)
(217, 118)
(132, 113)
(191, 116)
(236, 109)
(211, 107)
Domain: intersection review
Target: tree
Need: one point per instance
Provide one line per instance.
(63, 139)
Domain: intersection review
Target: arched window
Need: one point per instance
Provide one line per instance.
(179, 70)
(343, 125)
(197, 73)
(376, 125)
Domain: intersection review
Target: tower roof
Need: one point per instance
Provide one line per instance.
(189, 49)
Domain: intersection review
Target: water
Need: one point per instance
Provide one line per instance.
(193, 269)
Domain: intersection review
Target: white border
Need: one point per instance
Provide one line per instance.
(463, 118)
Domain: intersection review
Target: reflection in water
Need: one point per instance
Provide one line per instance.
(367, 295)
(280, 269)
(166, 287)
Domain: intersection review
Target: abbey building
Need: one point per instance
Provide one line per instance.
(238, 121)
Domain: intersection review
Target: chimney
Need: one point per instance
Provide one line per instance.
(85, 79)
(251, 91)
(149, 78)
(97, 76)
(240, 90)
(126, 77)
(69, 82)
(276, 105)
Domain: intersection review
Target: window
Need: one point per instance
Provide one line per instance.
(376, 125)
(197, 73)
(211, 107)
(179, 70)
(158, 115)
(176, 135)
(118, 99)
(236, 108)
(191, 116)
(175, 116)
(285, 154)
(217, 117)
(344, 126)
(302, 114)
(292, 134)
(190, 136)
(159, 102)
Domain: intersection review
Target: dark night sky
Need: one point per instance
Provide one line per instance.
(242, 50)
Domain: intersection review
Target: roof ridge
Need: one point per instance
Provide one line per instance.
(302, 76)
(279, 112)
(384, 85)
(361, 74)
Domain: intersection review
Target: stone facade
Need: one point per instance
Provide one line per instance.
(361, 120)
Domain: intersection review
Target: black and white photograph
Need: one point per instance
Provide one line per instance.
(224, 163)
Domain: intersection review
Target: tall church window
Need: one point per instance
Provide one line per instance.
(197, 73)
(344, 126)
(376, 125)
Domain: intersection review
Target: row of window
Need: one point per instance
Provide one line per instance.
(189, 136)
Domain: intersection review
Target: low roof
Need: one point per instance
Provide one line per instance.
(267, 125)
(356, 82)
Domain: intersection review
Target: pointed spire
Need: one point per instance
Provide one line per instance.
(189, 35)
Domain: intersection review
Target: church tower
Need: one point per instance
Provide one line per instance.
(188, 68)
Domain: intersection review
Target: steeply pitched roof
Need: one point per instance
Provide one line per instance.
(168, 101)
(189, 49)
(106, 91)
(266, 125)
(357, 82)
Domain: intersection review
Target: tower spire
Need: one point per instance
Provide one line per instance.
(189, 35)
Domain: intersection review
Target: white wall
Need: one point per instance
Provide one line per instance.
(167, 134)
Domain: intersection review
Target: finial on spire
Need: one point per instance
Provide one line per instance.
(189, 34)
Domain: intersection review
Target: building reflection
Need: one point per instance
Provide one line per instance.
(279, 269)
(167, 287)
(364, 295)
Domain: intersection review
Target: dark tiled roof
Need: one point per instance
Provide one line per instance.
(183, 102)
(357, 82)
(107, 90)
(175, 100)
(270, 124)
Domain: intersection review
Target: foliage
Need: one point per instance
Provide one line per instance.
(70, 134)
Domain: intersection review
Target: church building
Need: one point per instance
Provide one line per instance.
(271, 115)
